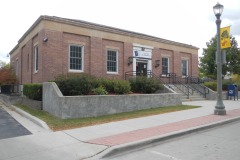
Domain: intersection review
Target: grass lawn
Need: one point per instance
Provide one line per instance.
(57, 124)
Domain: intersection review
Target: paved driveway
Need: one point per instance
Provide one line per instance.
(9, 127)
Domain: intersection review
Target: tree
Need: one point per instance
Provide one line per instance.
(208, 65)
(7, 75)
(2, 63)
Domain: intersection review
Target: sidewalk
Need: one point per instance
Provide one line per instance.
(96, 142)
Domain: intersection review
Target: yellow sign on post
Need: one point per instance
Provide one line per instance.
(225, 37)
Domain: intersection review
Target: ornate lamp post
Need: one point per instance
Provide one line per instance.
(219, 108)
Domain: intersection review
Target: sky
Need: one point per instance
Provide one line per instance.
(186, 21)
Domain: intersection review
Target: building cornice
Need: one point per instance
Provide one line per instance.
(99, 27)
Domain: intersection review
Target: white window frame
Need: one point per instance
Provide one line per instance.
(110, 72)
(167, 66)
(36, 58)
(69, 57)
(186, 67)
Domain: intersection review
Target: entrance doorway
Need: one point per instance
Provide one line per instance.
(141, 68)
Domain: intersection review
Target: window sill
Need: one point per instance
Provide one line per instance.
(115, 73)
(75, 71)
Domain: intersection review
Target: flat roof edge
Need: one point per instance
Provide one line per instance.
(91, 25)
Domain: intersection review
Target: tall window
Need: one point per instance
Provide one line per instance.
(112, 61)
(184, 67)
(17, 67)
(76, 58)
(28, 63)
(165, 66)
(35, 58)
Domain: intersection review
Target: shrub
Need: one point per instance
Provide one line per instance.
(33, 91)
(71, 85)
(211, 85)
(225, 84)
(114, 85)
(236, 78)
(145, 85)
(121, 86)
(100, 91)
(108, 84)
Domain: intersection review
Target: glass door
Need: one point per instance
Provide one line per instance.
(141, 68)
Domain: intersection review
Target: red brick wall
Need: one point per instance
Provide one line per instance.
(26, 62)
(186, 56)
(172, 60)
(156, 55)
(73, 39)
(114, 45)
(52, 54)
(128, 52)
(194, 66)
(54, 57)
(96, 57)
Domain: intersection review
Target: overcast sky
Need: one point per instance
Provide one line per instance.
(186, 21)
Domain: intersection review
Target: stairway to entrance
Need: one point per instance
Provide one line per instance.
(190, 87)
(193, 95)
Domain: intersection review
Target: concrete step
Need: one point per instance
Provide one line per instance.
(193, 99)
(193, 96)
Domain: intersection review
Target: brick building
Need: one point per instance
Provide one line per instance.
(53, 46)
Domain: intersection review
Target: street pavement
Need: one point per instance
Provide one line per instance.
(110, 139)
(9, 127)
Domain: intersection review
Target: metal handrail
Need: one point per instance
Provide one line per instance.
(179, 82)
(135, 73)
(174, 80)
(196, 84)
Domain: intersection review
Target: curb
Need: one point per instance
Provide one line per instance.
(129, 147)
(35, 120)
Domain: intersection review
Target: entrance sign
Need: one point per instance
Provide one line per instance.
(142, 54)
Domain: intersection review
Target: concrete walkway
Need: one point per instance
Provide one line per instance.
(97, 142)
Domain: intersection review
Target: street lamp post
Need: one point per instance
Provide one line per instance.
(219, 108)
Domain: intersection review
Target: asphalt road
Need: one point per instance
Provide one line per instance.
(9, 127)
(220, 143)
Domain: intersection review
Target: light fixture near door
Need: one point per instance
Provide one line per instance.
(157, 63)
(130, 60)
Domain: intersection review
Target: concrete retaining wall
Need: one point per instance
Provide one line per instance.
(96, 105)
(11, 100)
(213, 95)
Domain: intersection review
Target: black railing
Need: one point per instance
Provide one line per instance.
(130, 74)
(12, 89)
(187, 85)
(196, 83)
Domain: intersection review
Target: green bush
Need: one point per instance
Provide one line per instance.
(121, 86)
(33, 91)
(108, 84)
(211, 85)
(225, 84)
(100, 91)
(145, 85)
(70, 85)
(114, 85)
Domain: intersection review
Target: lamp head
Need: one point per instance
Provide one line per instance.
(218, 9)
